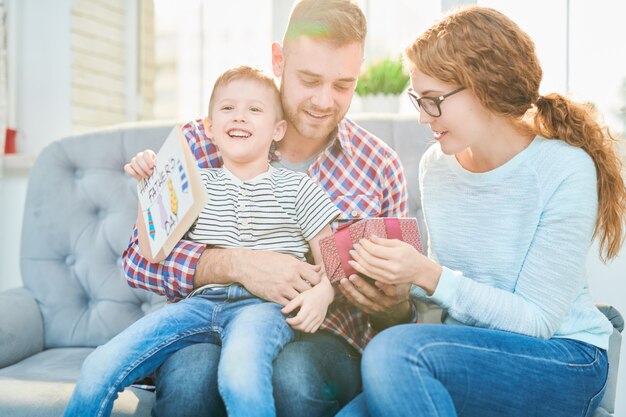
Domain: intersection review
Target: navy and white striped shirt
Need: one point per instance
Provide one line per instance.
(279, 210)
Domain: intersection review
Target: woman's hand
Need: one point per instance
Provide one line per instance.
(392, 261)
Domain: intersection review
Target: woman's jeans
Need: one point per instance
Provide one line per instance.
(452, 370)
(251, 331)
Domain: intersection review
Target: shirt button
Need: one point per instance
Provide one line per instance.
(242, 206)
(354, 213)
(245, 222)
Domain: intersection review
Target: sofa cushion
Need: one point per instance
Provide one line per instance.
(42, 385)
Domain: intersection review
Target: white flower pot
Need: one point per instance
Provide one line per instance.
(380, 103)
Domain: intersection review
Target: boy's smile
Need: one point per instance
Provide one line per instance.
(239, 134)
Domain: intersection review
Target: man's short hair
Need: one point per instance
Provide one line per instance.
(245, 72)
(337, 21)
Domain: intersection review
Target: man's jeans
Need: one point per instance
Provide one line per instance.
(314, 376)
(447, 370)
(251, 331)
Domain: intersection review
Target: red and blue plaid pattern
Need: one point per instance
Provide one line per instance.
(363, 177)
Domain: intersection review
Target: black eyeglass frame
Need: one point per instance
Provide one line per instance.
(417, 101)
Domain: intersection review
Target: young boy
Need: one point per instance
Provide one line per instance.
(251, 205)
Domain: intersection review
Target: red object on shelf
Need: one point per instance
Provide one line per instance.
(9, 141)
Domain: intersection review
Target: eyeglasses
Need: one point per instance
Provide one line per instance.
(431, 105)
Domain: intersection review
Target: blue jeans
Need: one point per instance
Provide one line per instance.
(251, 331)
(314, 376)
(447, 370)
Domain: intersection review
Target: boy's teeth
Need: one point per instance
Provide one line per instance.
(239, 133)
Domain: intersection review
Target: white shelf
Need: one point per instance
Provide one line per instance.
(16, 164)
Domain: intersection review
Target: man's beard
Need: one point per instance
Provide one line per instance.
(295, 115)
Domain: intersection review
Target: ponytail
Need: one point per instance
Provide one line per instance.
(556, 117)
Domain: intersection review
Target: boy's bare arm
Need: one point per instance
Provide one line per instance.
(314, 243)
(312, 304)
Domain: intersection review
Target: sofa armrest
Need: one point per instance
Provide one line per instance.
(613, 315)
(21, 326)
(607, 405)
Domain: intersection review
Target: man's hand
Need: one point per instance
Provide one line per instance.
(272, 276)
(141, 165)
(387, 304)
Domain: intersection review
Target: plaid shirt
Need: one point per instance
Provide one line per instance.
(363, 177)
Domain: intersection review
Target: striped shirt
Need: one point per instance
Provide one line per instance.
(363, 177)
(278, 210)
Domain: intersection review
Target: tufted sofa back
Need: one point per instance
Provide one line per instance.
(79, 212)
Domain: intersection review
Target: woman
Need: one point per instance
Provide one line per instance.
(513, 192)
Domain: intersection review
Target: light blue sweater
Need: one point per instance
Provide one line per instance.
(513, 241)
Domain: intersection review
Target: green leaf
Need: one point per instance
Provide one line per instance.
(386, 76)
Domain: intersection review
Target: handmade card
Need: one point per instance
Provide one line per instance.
(172, 197)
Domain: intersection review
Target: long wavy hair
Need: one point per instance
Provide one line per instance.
(485, 51)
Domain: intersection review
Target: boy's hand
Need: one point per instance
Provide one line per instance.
(313, 306)
(142, 165)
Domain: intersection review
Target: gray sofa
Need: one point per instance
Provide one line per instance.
(79, 212)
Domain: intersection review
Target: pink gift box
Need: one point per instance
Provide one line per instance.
(335, 249)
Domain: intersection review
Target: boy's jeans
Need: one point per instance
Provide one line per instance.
(252, 333)
(453, 370)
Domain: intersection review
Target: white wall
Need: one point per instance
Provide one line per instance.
(39, 60)
(98, 82)
(43, 65)
(12, 195)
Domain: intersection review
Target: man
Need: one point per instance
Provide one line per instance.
(318, 63)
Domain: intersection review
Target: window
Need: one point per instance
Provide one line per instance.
(579, 43)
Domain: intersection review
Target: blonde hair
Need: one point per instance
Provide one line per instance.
(245, 72)
(485, 51)
(340, 22)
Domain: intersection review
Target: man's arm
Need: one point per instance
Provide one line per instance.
(173, 277)
(269, 275)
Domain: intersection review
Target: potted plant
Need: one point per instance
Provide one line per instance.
(380, 84)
